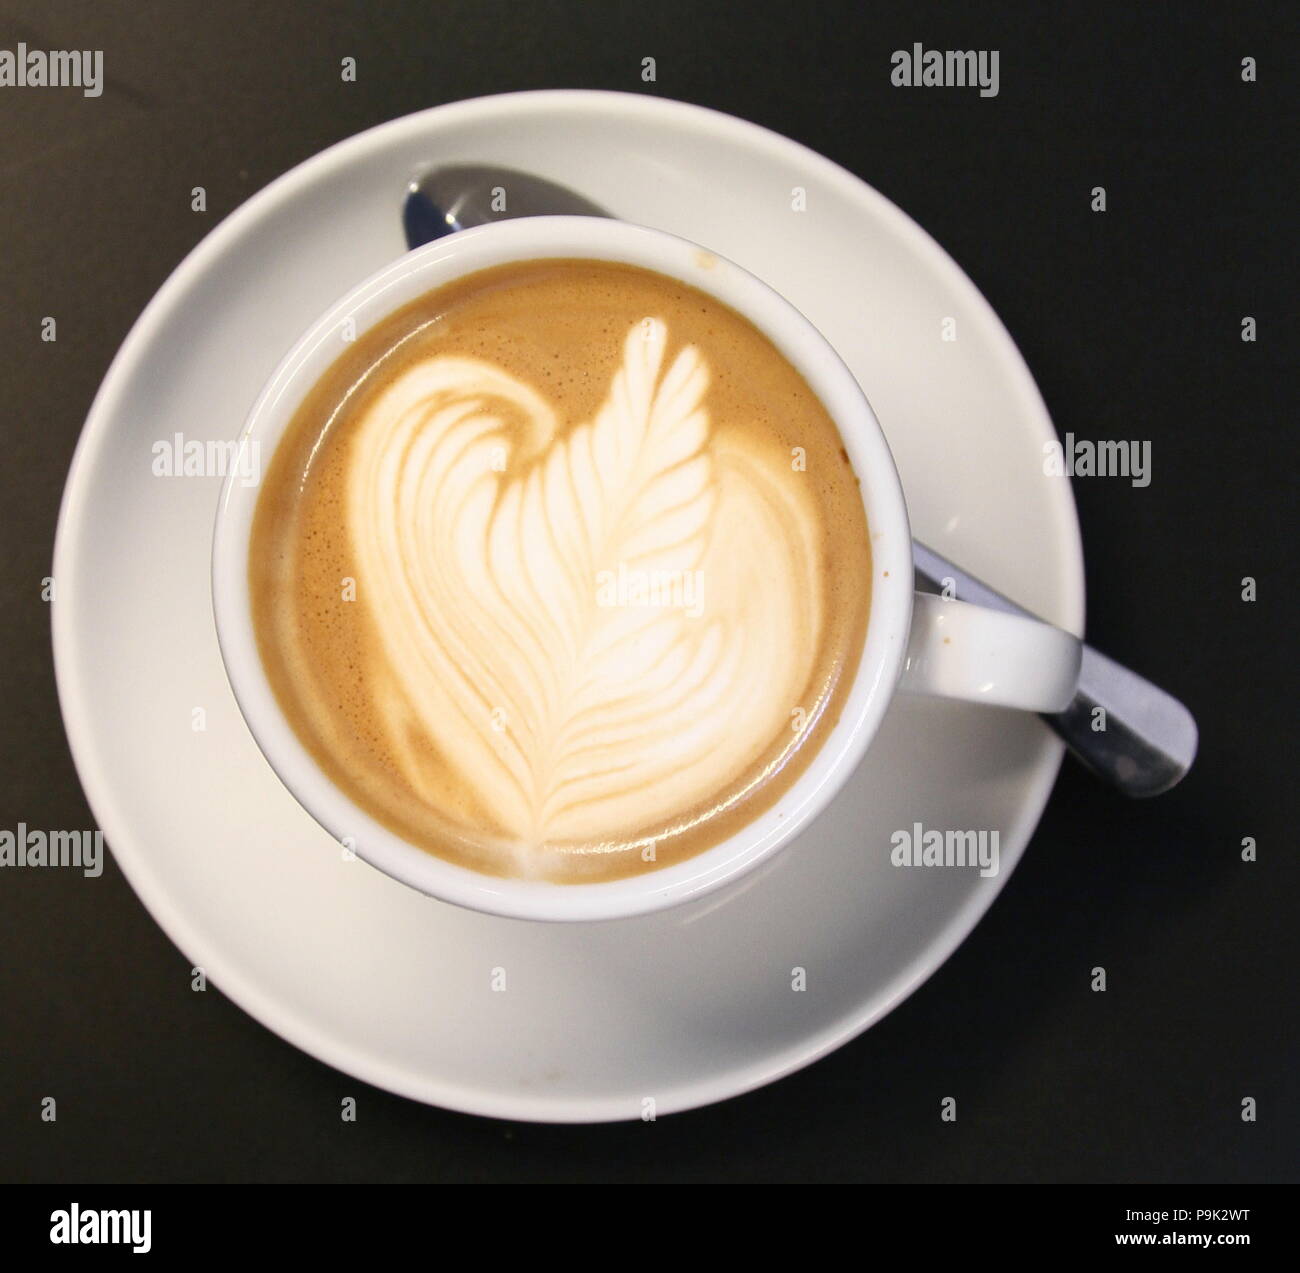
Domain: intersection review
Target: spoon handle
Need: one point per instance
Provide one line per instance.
(1126, 730)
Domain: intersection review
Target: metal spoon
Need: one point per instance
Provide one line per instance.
(1147, 740)
(449, 199)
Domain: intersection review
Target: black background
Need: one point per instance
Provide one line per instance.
(1130, 321)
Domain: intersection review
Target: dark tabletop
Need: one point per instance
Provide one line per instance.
(1130, 320)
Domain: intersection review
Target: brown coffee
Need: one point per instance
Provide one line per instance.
(561, 571)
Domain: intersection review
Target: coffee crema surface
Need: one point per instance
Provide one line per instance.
(561, 571)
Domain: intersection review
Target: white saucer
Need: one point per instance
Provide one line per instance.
(683, 1007)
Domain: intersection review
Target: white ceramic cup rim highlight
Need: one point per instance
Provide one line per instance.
(433, 266)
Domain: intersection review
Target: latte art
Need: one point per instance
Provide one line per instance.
(482, 523)
(561, 572)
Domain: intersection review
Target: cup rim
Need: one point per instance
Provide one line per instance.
(424, 270)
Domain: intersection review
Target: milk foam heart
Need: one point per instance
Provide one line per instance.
(485, 528)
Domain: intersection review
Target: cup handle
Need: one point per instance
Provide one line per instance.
(964, 651)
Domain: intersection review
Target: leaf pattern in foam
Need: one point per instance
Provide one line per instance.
(573, 720)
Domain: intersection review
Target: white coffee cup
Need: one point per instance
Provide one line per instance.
(914, 641)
